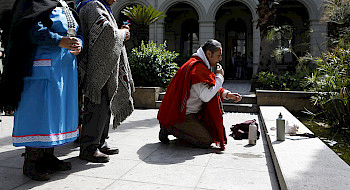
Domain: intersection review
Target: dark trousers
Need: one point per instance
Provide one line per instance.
(95, 124)
(193, 131)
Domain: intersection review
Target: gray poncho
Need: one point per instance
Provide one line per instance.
(104, 61)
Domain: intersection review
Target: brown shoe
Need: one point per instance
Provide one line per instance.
(32, 166)
(97, 157)
(33, 171)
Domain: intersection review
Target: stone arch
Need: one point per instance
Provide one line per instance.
(217, 5)
(119, 6)
(312, 9)
(182, 37)
(194, 3)
(234, 28)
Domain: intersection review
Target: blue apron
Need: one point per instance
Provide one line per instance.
(47, 115)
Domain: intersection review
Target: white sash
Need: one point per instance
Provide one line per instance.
(70, 19)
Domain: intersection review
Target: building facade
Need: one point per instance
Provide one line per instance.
(189, 23)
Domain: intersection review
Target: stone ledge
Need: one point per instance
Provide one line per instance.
(292, 100)
(301, 162)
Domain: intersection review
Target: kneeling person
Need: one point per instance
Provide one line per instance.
(191, 108)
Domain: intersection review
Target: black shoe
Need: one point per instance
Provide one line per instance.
(97, 157)
(109, 151)
(163, 135)
(52, 163)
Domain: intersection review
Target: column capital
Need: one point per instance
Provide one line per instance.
(318, 22)
(206, 21)
(159, 23)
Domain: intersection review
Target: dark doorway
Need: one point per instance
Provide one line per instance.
(236, 43)
(234, 29)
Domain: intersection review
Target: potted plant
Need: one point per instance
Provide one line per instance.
(152, 68)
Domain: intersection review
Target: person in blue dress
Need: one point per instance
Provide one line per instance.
(41, 82)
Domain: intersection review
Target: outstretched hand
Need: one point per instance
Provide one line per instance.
(234, 96)
(71, 43)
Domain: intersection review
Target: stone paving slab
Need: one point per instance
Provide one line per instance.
(302, 162)
(145, 163)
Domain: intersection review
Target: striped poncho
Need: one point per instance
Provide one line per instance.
(104, 60)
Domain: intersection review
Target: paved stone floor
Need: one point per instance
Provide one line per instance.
(145, 163)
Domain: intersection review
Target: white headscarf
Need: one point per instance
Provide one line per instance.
(200, 53)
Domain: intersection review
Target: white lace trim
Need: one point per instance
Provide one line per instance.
(45, 138)
(42, 63)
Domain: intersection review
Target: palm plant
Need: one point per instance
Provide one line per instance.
(332, 79)
(283, 35)
(267, 15)
(266, 10)
(143, 16)
(337, 13)
(332, 83)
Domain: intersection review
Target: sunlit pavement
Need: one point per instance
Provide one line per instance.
(145, 163)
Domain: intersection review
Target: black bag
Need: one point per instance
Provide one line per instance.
(240, 131)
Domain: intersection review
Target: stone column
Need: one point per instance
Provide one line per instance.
(156, 32)
(256, 47)
(318, 37)
(206, 30)
(152, 32)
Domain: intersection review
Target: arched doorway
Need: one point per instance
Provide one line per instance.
(233, 29)
(189, 37)
(182, 30)
(236, 40)
(294, 14)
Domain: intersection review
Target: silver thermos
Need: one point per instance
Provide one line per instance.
(281, 127)
(252, 135)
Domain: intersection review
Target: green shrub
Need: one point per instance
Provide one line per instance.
(182, 59)
(332, 82)
(267, 80)
(152, 65)
(286, 81)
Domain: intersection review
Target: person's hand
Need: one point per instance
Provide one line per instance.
(219, 69)
(71, 43)
(76, 48)
(127, 34)
(234, 96)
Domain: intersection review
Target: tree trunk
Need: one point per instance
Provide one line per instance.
(142, 34)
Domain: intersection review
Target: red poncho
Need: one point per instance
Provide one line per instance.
(173, 108)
